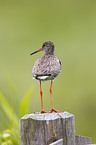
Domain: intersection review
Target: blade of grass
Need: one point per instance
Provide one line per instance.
(4, 120)
(8, 110)
(24, 103)
(10, 114)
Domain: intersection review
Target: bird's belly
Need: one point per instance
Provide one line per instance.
(45, 77)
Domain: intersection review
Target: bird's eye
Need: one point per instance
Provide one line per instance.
(43, 45)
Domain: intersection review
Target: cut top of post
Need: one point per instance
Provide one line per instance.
(47, 116)
(45, 128)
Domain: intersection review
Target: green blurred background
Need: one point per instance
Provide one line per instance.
(71, 25)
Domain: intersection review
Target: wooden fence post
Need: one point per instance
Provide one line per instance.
(82, 140)
(43, 129)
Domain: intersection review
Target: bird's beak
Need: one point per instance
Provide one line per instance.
(36, 51)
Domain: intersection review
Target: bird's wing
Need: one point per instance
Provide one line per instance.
(60, 62)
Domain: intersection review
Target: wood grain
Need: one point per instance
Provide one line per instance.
(43, 129)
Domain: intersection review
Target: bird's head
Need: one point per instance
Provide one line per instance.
(48, 47)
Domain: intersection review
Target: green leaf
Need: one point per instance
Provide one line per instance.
(8, 110)
(24, 103)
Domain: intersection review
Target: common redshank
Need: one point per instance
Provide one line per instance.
(46, 68)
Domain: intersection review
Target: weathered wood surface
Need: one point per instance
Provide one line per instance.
(58, 142)
(79, 140)
(82, 140)
(43, 129)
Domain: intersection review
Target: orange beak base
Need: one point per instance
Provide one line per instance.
(36, 51)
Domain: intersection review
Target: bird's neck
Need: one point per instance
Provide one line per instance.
(46, 56)
(50, 53)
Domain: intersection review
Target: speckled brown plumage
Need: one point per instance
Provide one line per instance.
(47, 67)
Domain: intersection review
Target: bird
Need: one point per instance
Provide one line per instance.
(48, 67)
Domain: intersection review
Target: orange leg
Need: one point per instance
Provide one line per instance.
(52, 100)
(42, 111)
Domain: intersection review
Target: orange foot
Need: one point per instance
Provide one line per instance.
(44, 111)
(54, 110)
